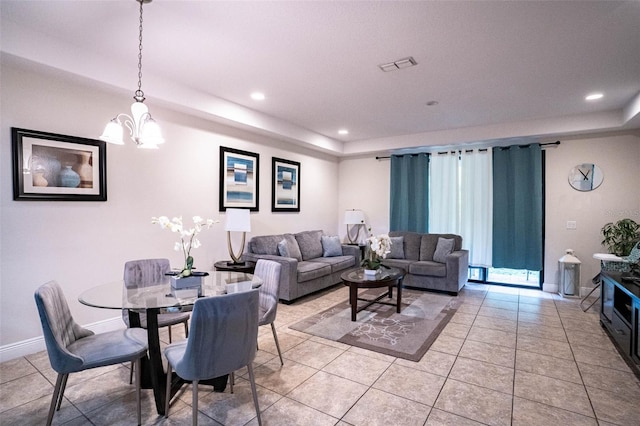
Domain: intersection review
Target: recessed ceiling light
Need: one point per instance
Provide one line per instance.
(257, 96)
(432, 103)
(594, 97)
(343, 132)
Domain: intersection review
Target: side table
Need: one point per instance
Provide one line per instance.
(227, 265)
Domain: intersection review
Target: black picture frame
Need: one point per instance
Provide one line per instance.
(54, 167)
(285, 185)
(239, 179)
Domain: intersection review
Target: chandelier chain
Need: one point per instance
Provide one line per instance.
(139, 93)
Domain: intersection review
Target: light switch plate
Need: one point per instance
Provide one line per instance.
(571, 224)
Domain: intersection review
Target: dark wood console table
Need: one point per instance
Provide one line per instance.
(620, 314)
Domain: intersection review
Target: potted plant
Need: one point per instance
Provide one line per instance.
(620, 237)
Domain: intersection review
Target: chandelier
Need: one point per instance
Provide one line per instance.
(143, 129)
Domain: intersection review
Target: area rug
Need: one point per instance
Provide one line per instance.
(379, 328)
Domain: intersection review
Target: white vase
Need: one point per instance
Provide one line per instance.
(371, 271)
(185, 282)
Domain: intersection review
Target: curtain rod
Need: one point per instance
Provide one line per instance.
(470, 150)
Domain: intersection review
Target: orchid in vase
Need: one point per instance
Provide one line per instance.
(188, 236)
(377, 249)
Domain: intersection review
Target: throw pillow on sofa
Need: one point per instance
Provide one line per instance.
(331, 246)
(443, 249)
(288, 247)
(397, 248)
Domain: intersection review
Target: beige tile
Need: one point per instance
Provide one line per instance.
(122, 411)
(538, 309)
(447, 344)
(313, 354)
(484, 374)
(328, 393)
(24, 389)
(433, 362)
(282, 379)
(474, 402)
(234, 409)
(557, 393)
(496, 323)
(610, 380)
(409, 383)
(456, 330)
(372, 354)
(596, 340)
(617, 408)
(588, 324)
(498, 313)
(545, 365)
(597, 356)
(527, 413)
(541, 346)
(494, 354)
(537, 330)
(289, 412)
(501, 304)
(442, 418)
(546, 320)
(287, 341)
(468, 308)
(35, 412)
(488, 335)
(359, 368)
(462, 318)
(15, 368)
(381, 408)
(330, 343)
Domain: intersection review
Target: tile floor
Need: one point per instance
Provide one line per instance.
(508, 357)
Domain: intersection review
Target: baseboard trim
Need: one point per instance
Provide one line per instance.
(36, 344)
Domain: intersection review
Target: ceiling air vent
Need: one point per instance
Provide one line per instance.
(399, 64)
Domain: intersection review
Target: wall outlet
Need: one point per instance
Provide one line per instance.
(571, 224)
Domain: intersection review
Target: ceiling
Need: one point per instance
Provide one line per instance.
(499, 71)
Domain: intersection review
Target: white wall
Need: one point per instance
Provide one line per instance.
(82, 244)
(364, 184)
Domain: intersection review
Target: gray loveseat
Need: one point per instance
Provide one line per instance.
(310, 260)
(430, 265)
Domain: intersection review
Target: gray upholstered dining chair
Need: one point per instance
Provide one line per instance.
(269, 271)
(144, 272)
(223, 337)
(72, 348)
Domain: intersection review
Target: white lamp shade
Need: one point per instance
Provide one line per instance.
(354, 217)
(113, 133)
(238, 220)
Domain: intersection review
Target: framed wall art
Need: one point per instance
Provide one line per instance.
(285, 186)
(53, 167)
(239, 179)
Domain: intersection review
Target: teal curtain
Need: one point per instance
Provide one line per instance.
(517, 207)
(409, 202)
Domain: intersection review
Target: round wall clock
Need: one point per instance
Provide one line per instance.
(585, 177)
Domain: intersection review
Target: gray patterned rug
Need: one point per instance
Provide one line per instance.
(379, 328)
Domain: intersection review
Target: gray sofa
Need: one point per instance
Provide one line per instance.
(430, 265)
(310, 260)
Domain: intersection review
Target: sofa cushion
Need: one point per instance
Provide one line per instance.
(398, 263)
(397, 248)
(337, 263)
(265, 244)
(310, 244)
(426, 267)
(331, 246)
(443, 249)
(308, 271)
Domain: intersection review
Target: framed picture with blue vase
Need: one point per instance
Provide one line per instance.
(54, 167)
(285, 185)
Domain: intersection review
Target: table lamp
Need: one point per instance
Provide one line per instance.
(356, 218)
(238, 220)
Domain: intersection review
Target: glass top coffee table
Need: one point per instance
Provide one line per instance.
(356, 279)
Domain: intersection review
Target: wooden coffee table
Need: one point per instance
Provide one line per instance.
(387, 277)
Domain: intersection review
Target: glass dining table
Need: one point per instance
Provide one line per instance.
(159, 297)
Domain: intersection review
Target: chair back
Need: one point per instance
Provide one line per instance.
(58, 327)
(222, 338)
(269, 271)
(145, 272)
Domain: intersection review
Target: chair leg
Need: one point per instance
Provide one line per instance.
(232, 381)
(194, 403)
(275, 336)
(167, 399)
(138, 399)
(56, 395)
(254, 392)
(131, 372)
(169, 327)
(62, 389)
(186, 328)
